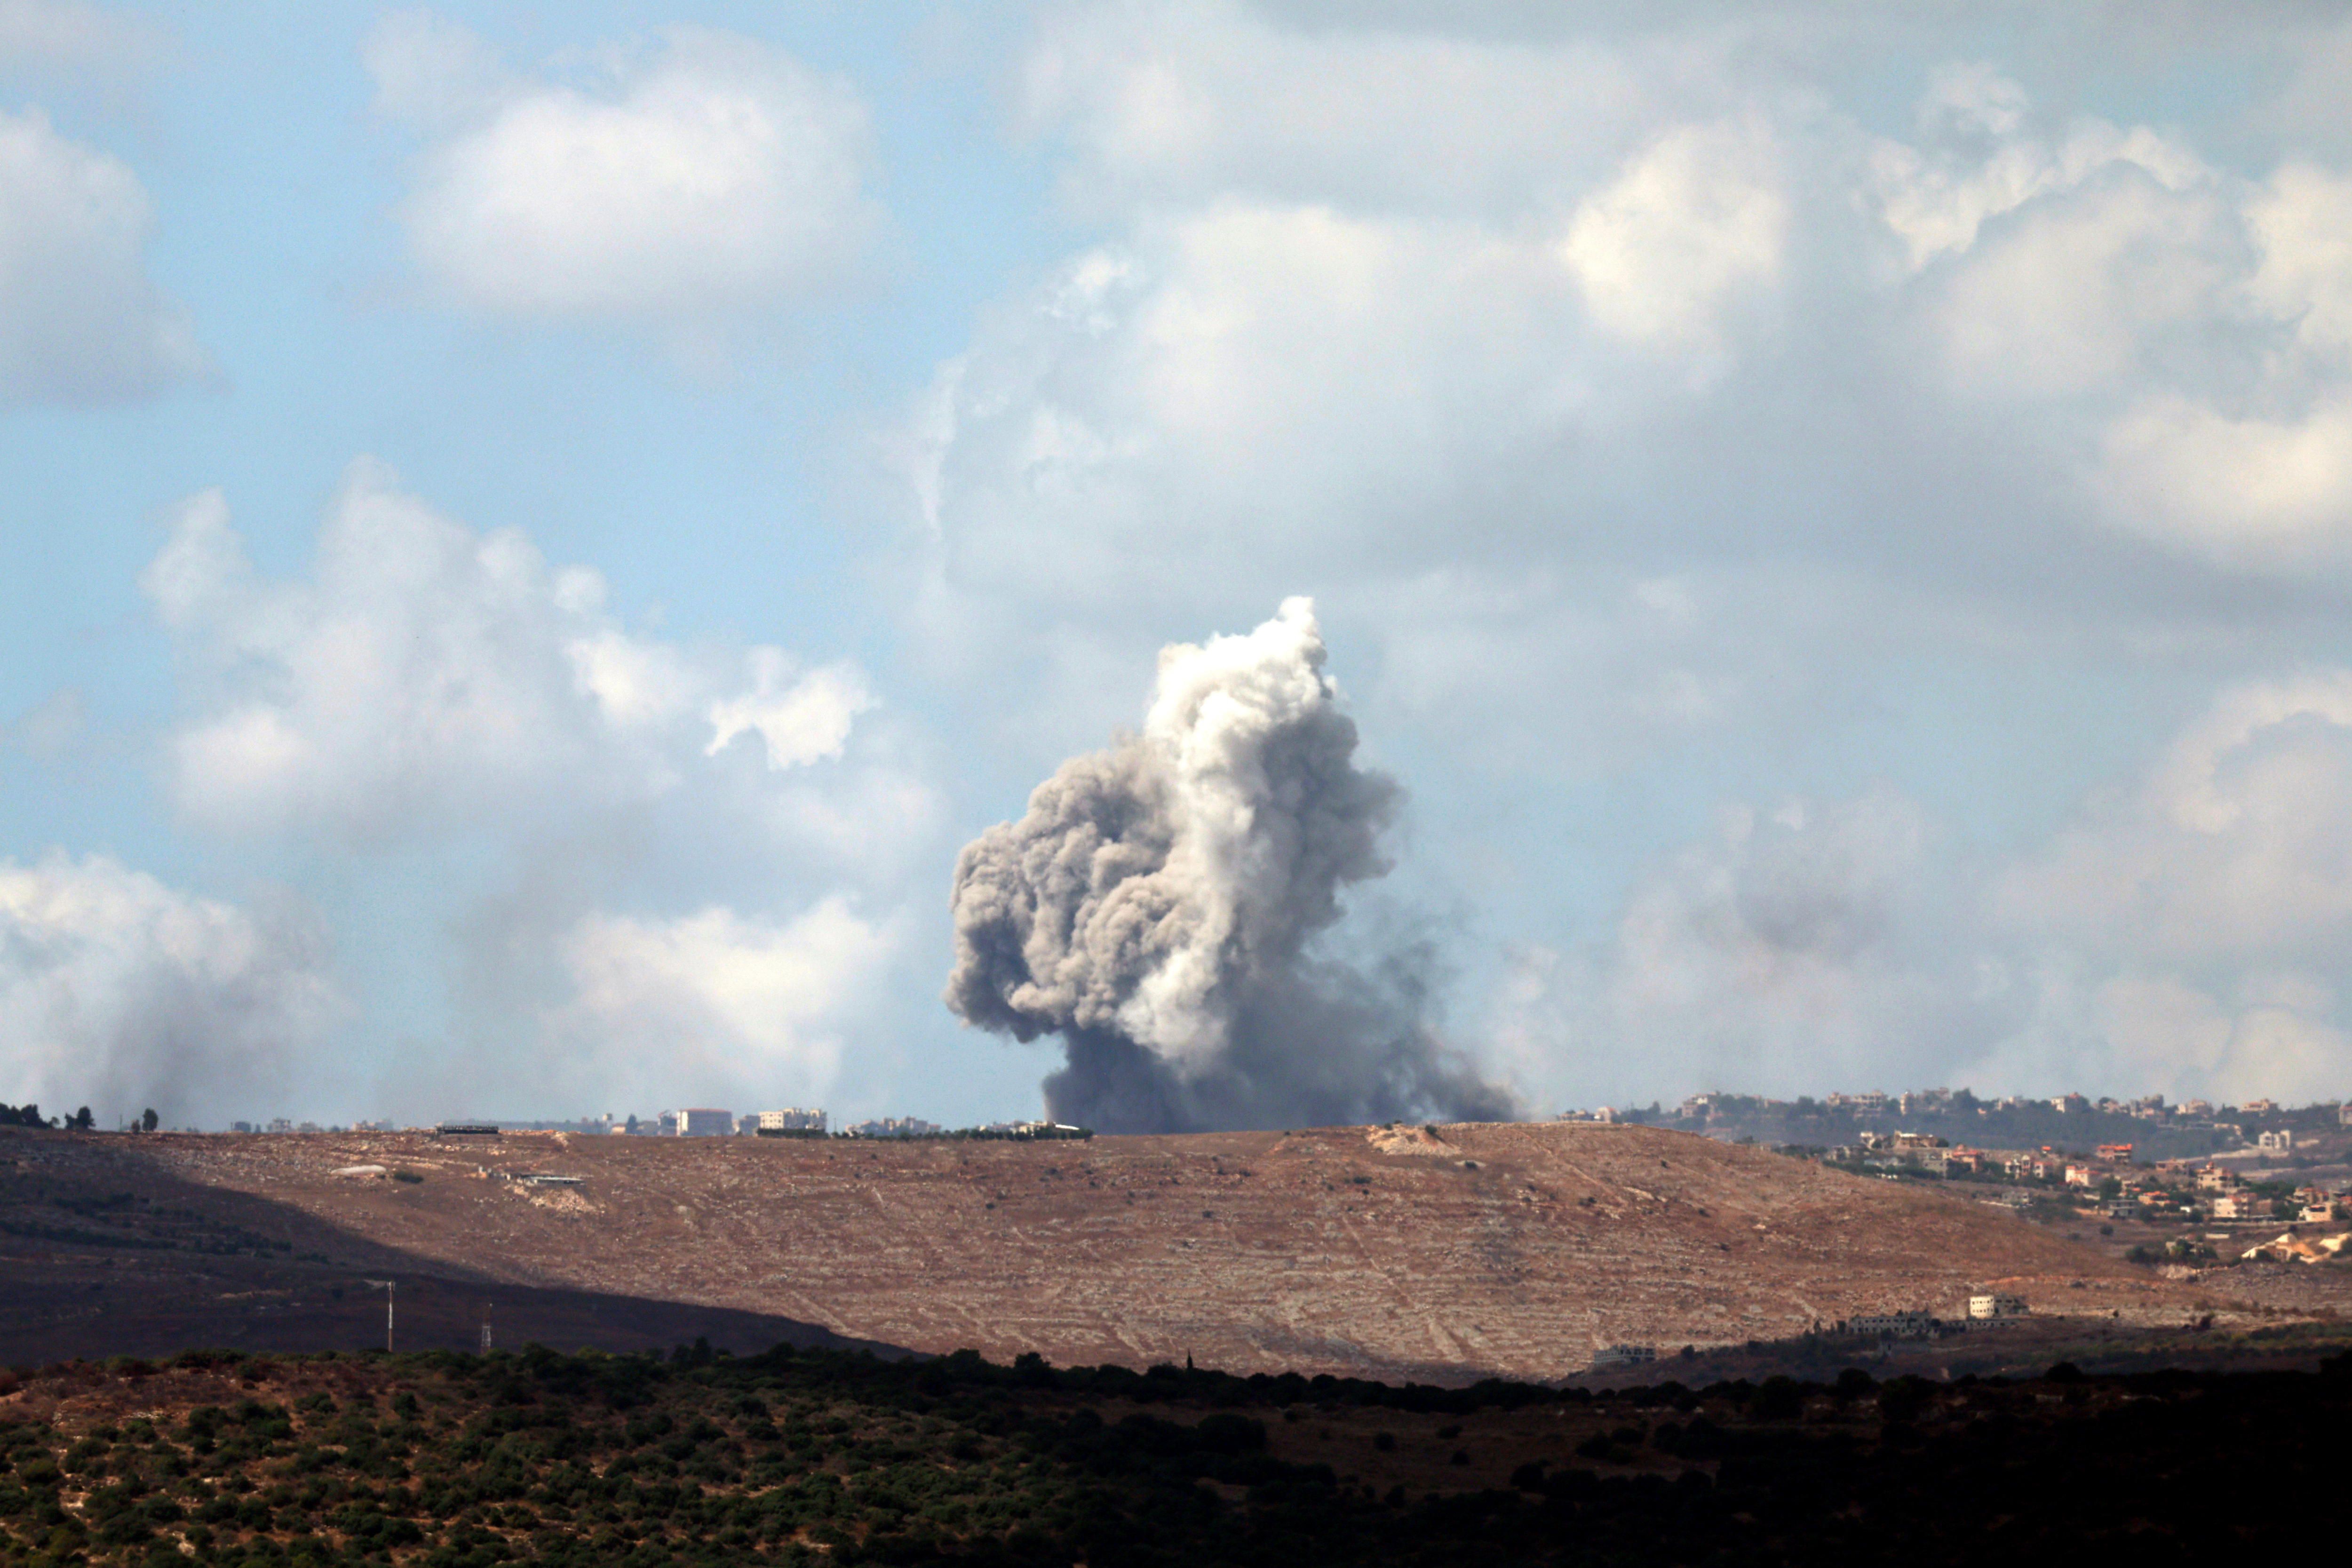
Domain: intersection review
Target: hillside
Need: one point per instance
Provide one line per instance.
(1513, 1249)
(808, 1458)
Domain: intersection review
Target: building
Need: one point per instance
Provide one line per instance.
(1624, 1355)
(2279, 1143)
(2070, 1105)
(705, 1122)
(894, 1127)
(2215, 1179)
(1892, 1326)
(791, 1118)
(2117, 1153)
(2081, 1176)
(2241, 1206)
(1995, 1304)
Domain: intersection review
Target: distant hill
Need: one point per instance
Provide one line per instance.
(1444, 1255)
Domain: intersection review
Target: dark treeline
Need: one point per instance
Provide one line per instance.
(29, 1115)
(802, 1457)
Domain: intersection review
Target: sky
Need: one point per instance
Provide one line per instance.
(533, 536)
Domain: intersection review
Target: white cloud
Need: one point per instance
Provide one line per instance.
(2237, 846)
(2073, 294)
(1980, 160)
(1690, 223)
(470, 718)
(427, 679)
(2250, 492)
(80, 319)
(802, 718)
(712, 1004)
(2301, 220)
(2184, 937)
(120, 993)
(711, 179)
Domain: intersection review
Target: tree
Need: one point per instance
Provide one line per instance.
(147, 1122)
(81, 1121)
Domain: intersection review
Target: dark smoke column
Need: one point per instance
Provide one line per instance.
(1155, 906)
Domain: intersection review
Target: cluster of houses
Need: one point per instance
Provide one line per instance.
(2169, 1190)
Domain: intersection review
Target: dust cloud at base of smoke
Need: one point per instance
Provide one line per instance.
(1156, 905)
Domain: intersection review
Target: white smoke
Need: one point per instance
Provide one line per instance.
(120, 992)
(1156, 904)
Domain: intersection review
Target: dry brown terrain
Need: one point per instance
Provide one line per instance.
(1514, 1249)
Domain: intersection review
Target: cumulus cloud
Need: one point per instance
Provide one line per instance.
(120, 993)
(2250, 492)
(1651, 297)
(705, 179)
(2237, 846)
(1156, 905)
(449, 709)
(82, 321)
(716, 1005)
(427, 677)
(2182, 936)
(1696, 218)
(2302, 222)
(801, 718)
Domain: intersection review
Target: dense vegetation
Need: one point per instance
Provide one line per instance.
(452, 1461)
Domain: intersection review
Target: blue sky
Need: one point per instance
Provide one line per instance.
(534, 534)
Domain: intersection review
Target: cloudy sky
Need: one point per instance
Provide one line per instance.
(534, 534)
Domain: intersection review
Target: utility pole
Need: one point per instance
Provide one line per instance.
(386, 1287)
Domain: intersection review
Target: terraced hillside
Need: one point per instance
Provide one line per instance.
(1516, 1249)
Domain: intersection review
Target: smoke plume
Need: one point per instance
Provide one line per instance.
(1157, 904)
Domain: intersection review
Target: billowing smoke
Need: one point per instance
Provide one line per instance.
(1157, 905)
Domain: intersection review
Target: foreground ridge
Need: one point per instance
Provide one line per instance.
(803, 1456)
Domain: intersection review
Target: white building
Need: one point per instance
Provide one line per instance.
(1892, 1325)
(1996, 1304)
(705, 1122)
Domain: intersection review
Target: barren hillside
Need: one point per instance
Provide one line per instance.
(1516, 1249)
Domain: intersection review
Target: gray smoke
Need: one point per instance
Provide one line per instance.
(1156, 906)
